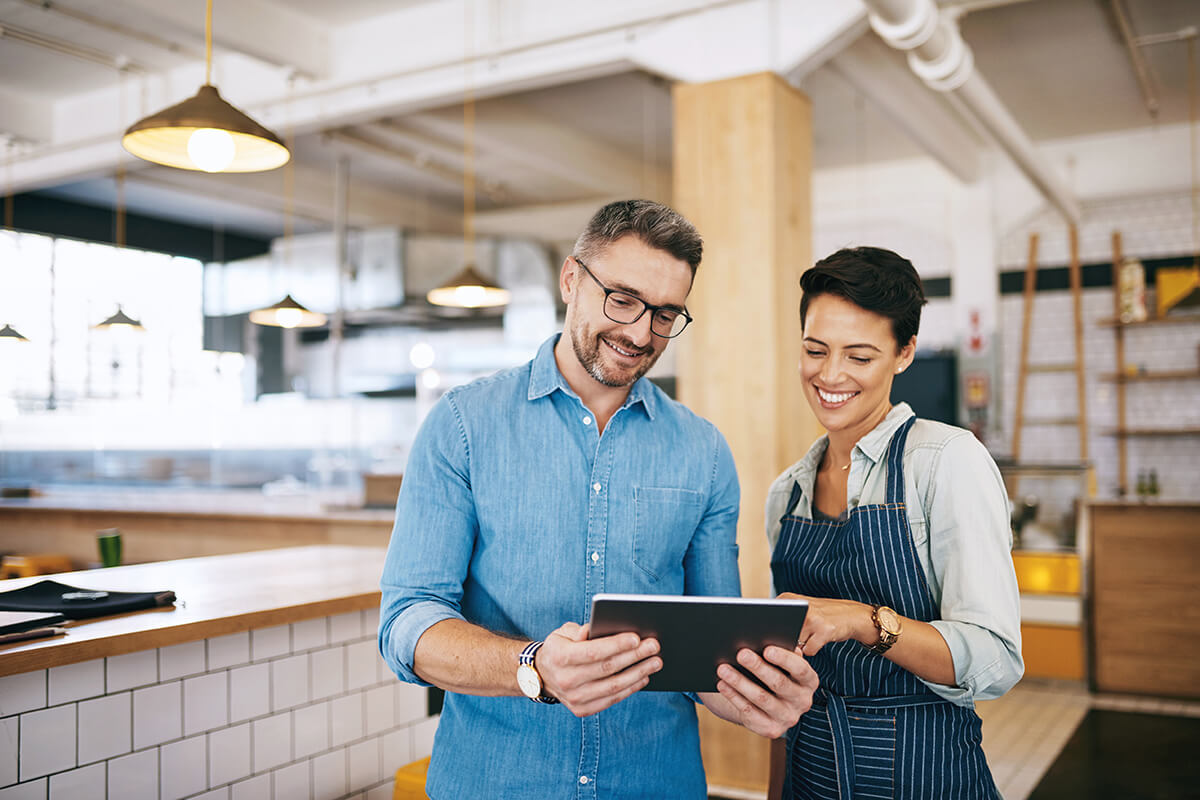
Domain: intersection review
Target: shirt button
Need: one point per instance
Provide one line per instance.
(595, 557)
(583, 779)
(596, 488)
(587, 420)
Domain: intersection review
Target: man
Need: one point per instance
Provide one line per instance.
(528, 492)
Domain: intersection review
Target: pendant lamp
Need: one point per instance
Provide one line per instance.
(468, 289)
(287, 313)
(204, 132)
(8, 332)
(120, 321)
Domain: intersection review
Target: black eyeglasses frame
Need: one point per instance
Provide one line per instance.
(653, 309)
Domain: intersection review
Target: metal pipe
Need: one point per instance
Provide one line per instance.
(1141, 69)
(940, 57)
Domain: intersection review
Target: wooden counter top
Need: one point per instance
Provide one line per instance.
(217, 595)
(1147, 504)
(218, 504)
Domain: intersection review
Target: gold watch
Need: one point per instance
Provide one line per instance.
(888, 623)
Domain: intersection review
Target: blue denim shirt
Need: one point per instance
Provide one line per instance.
(958, 512)
(513, 513)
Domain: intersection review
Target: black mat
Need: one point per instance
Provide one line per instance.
(1126, 756)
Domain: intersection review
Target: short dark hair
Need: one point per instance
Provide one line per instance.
(873, 278)
(659, 226)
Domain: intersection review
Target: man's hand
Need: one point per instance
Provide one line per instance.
(770, 712)
(589, 676)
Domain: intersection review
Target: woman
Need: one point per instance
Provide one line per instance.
(896, 531)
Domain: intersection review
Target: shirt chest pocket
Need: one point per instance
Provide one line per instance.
(665, 520)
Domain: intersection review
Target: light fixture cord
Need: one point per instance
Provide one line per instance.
(8, 193)
(1191, 50)
(469, 146)
(208, 44)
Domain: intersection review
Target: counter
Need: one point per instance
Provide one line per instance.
(264, 680)
(1144, 600)
(159, 525)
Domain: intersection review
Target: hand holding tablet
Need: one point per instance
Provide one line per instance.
(697, 634)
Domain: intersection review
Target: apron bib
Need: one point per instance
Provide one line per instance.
(874, 730)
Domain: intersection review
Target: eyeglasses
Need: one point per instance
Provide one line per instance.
(626, 309)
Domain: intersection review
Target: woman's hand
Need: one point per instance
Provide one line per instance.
(832, 620)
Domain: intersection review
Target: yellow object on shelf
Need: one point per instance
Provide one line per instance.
(1178, 287)
(1047, 573)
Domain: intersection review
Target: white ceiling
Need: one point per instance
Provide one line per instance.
(574, 97)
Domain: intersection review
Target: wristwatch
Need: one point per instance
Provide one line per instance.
(527, 675)
(888, 623)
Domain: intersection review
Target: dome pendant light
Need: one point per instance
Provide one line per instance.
(204, 132)
(287, 313)
(468, 289)
(121, 321)
(9, 332)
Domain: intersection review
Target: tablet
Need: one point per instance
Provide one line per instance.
(697, 634)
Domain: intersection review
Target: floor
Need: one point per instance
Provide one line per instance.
(1024, 731)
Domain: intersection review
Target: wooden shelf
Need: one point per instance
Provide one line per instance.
(1179, 320)
(1162, 375)
(1047, 421)
(1189, 431)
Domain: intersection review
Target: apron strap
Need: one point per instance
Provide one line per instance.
(792, 499)
(895, 469)
(839, 727)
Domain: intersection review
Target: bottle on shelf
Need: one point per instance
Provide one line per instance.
(1142, 485)
(1152, 485)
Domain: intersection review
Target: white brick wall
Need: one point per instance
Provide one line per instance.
(306, 710)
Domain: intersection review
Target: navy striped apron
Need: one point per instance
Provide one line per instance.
(874, 730)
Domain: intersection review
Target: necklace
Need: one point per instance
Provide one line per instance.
(846, 467)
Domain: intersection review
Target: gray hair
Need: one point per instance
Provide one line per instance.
(659, 226)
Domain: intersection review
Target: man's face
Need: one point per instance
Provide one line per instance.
(613, 354)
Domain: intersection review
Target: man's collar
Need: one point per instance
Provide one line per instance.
(545, 378)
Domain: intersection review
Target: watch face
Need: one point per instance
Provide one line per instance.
(529, 681)
(888, 621)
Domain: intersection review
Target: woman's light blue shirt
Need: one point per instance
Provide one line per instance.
(513, 513)
(958, 511)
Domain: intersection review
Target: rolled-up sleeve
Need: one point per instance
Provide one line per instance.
(971, 558)
(432, 540)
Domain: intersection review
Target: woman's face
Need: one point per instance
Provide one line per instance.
(850, 357)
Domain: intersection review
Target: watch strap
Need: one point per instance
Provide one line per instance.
(886, 638)
(526, 659)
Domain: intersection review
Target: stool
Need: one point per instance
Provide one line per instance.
(410, 781)
(28, 566)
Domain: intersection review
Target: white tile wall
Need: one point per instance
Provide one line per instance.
(179, 660)
(47, 741)
(132, 670)
(329, 774)
(272, 742)
(105, 727)
(8, 750)
(184, 768)
(34, 790)
(289, 682)
(157, 714)
(270, 642)
(76, 681)
(86, 783)
(134, 777)
(229, 754)
(313, 718)
(292, 782)
(22, 692)
(229, 651)
(310, 634)
(205, 703)
(249, 692)
(256, 788)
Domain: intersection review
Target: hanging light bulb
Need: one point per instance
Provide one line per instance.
(204, 132)
(287, 313)
(212, 149)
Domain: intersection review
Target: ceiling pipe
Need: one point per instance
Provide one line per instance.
(939, 56)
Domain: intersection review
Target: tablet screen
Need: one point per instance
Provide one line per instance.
(696, 634)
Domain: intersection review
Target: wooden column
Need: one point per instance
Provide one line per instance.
(742, 174)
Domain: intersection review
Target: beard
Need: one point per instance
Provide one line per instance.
(587, 347)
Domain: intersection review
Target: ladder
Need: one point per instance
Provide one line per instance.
(1025, 369)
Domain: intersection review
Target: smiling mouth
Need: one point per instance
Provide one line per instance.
(834, 398)
(621, 351)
